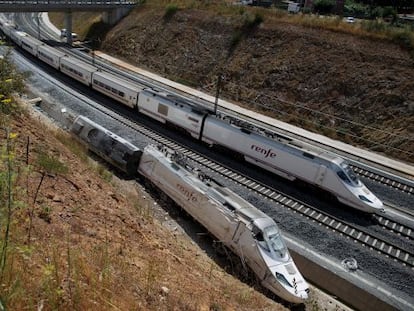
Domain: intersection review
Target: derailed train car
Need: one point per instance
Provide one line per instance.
(248, 232)
(112, 148)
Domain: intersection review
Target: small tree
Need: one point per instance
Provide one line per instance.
(324, 6)
(48, 165)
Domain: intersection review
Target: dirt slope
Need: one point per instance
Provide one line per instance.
(86, 240)
(319, 79)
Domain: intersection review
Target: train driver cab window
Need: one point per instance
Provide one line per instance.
(345, 172)
(274, 244)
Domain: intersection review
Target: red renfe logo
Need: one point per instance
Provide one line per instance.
(187, 193)
(268, 153)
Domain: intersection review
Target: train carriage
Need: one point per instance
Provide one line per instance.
(50, 55)
(171, 109)
(292, 160)
(112, 148)
(6, 28)
(16, 36)
(30, 44)
(77, 69)
(117, 88)
(248, 232)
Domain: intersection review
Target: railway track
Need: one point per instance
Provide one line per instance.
(334, 226)
(400, 185)
(404, 186)
(346, 229)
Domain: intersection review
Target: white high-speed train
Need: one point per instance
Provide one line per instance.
(248, 232)
(278, 154)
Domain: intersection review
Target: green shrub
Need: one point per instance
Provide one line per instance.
(356, 9)
(405, 39)
(376, 12)
(251, 23)
(170, 10)
(235, 39)
(51, 164)
(374, 26)
(324, 6)
(306, 10)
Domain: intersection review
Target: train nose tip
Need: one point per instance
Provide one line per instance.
(304, 295)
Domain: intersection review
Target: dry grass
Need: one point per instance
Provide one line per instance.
(374, 30)
(96, 244)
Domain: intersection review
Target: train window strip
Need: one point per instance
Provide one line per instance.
(193, 119)
(46, 56)
(27, 45)
(109, 88)
(70, 69)
(308, 155)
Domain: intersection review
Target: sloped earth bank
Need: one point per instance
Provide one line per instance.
(295, 73)
(97, 242)
(86, 239)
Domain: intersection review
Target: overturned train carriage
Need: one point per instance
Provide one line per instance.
(112, 148)
(248, 232)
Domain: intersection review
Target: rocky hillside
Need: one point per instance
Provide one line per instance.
(332, 78)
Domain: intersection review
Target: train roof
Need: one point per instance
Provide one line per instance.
(289, 144)
(32, 40)
(19, 33)
(82, 122)
(215, 191)
(179, 100)
(51, 50)
(121, 81)
(243, 208)
(75, 61)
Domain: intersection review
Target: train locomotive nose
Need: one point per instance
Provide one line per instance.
(369, 199)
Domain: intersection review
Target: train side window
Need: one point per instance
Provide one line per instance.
(229, 206)
(311, 156)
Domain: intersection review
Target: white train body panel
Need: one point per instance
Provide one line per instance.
(16, 36)
(119, 89)
(167, 108)
(77, 69)
(50, 55)
(291, 160)
(31, 45)
(247, 231)
(6, 27)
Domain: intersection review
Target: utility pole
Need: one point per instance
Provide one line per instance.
(218, 86)
(38, 27)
